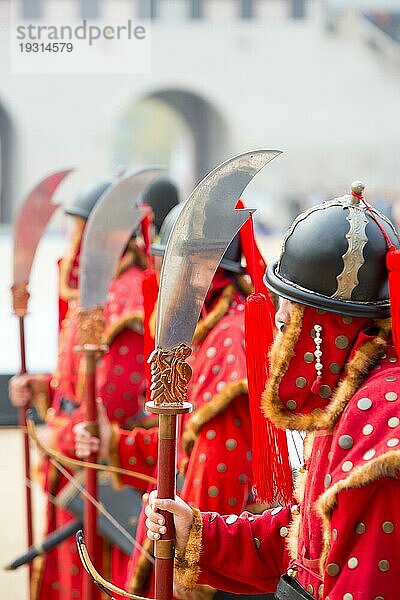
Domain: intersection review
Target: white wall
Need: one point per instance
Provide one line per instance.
(327, 101)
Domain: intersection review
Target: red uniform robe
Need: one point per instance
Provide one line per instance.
(121, 385)
(215, 449)
(341, 535)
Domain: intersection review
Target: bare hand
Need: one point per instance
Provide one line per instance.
(155, 522)
(86, 443)
(20, 389)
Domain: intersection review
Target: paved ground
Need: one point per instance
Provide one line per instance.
(12, 520)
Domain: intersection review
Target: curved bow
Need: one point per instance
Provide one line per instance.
(74, 462)
(105, 586)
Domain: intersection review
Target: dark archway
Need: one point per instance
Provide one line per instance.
(173, 125)
(6, 166)
(207, 126)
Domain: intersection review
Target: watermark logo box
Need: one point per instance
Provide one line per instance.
(81, 46)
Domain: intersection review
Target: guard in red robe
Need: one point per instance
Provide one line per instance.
(120, 381)
(215, 449)
(334, 374)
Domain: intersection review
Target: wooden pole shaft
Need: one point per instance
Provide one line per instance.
(26, 451)
(90, 512)
(164, 549)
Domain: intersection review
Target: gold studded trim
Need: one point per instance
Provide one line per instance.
(218, 404)
(116, 479)
(221, 307)
(386, 465)
(292, 540)
(65, 290)
(133, 255)
(132, 320)
(356, 371)
(187, 563)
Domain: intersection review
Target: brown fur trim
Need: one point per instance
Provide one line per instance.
(66, 292)
(386, 465)
(292, 540)
(244, 284)
(138, 582)
(133, 255)
(356, 371)
(133, 320)
(116, 480)
(204, 326)
(280, 359)
(187, 563)
(210, 410)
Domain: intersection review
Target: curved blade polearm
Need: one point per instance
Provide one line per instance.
(31, 221)
(114, 218)
(206, 225)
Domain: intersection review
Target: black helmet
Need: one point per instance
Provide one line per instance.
(85, 201)
(334, 258)
(231, 260)
(161, 196)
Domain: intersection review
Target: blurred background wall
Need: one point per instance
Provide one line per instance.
(316, 78)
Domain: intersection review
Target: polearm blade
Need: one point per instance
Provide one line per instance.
(113, 220)
(203, 231)
(32, 219)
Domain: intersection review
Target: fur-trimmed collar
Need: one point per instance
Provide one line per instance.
(362, 352)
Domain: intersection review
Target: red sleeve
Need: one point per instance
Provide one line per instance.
(63, 427)
(365, 542)
(219, 475)
(137, 451)
(248, 552)
(120, 376)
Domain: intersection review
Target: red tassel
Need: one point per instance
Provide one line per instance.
(150, 293)
(62, 304)
(271, 467)
(393, 266)
(316, 386)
